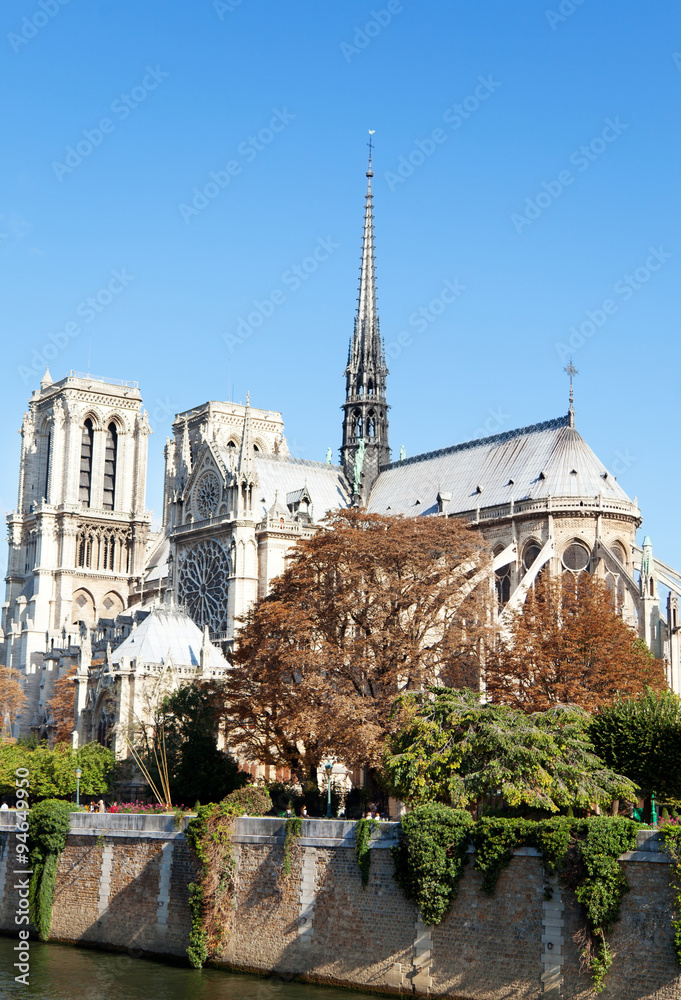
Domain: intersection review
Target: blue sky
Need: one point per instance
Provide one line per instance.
(528, 154)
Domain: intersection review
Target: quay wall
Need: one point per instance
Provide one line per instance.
(123, 883)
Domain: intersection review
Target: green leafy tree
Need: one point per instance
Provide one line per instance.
(450, 748)
(641, 737)
(187, 724)
(52, 773)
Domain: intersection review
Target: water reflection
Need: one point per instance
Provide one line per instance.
(60, 972)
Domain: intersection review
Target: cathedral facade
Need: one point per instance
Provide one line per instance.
(85, 571)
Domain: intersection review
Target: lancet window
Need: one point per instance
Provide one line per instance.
(103, 548)
(110, 457)
(86, 464)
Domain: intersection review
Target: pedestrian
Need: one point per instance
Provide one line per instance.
(289, 814)
(303, 812)
(91, 807)
(101, 807)
(4, 807)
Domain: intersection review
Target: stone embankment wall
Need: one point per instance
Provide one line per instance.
(122, 883)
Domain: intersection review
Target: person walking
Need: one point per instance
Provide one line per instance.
(101, 807)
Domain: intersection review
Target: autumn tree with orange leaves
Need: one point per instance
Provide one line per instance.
(368, 607)
(568, 645)
(61, 706)
(12, 699)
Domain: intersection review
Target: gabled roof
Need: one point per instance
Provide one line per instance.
(168, 633)
(325, 484)
(544, 460)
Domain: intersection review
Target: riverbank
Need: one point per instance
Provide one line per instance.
(123, 882)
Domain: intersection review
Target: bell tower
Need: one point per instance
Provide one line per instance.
(365, 411)
(78, 536)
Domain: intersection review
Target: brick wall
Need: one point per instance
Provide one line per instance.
(122, 883)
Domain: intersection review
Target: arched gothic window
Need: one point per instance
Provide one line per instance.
(110, 456)
(86, 464)
(46, 480)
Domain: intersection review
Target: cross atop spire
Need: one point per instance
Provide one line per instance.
(571, 371)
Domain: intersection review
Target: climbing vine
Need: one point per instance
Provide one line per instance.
(363, 831)
(429, 859)
(671, 834)
(210, 896)
(433, 841)
(495, 840)
(48, 827)
(292, 830)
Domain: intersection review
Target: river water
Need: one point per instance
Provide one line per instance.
(61, 972)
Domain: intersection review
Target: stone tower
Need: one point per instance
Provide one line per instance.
(365, 411)
(78, 537)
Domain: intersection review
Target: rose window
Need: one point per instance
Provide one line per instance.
(203, 584)
(207, 495)
(576, 557)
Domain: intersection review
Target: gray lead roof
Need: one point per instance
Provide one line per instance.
(544, 460)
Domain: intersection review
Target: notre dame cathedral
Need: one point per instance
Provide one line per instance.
(89, 584)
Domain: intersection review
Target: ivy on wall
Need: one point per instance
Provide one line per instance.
(211, 896)
(429, 859)
(48, 827)
(292, 830)
(364, 828)
(433, 841)
(671, 834)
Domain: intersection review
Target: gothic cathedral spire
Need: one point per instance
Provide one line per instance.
(365, 411)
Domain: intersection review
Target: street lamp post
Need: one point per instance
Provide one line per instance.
(328, 768)
(78, 777)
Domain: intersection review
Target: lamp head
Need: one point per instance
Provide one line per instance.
(79, 773)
